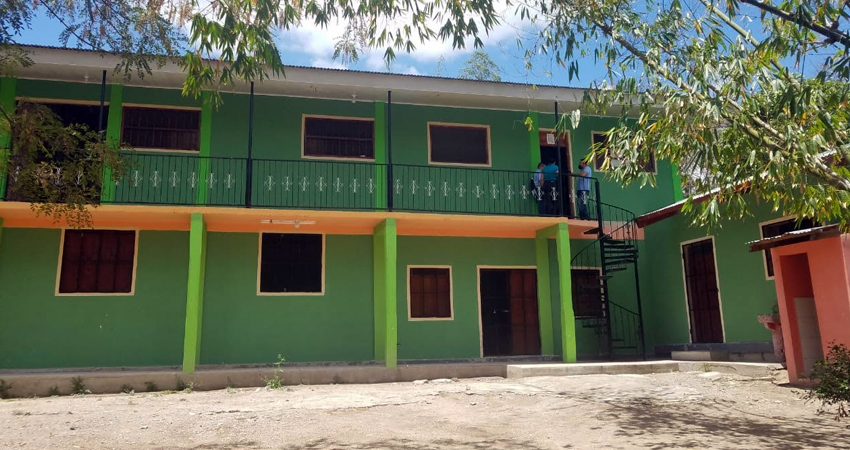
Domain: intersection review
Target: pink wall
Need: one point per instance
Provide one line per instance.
(819, 269)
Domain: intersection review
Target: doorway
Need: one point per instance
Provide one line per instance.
(509, 321)
(549, 152)
(702, 291)
(807, 327)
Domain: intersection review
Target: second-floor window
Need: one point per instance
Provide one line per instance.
(161, 128)
(778, 228)
(331, 137)
(602, 139)
(458, 144)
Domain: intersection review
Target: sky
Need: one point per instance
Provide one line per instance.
(312, 46)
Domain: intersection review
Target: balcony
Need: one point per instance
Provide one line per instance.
(158, 179)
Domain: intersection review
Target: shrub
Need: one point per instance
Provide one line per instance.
(4, 389)
(78, 387)
(53, 392)
(150, 386)
(831, 379)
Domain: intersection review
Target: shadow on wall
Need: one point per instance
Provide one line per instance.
(662, 425)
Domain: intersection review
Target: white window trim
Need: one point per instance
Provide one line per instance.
(304, 118)
(761, 235)
(451, 317)
(460, 125)
(60, 101)
(157, 106)
(98, 294)
(287, 294)
(654, 170)
(478, 289)
(717, 280)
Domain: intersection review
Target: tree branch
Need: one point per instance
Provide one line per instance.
(832, 35)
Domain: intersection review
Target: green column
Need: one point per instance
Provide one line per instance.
(544, 294)
(7, 101)
(565, 292)
(380, 155)
(385, 288)
(201, 195)
(678, 192)
(195, 293)
(534, 140)
(113, 137)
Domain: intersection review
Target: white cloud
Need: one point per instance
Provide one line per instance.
(327, 63)
(412, 71)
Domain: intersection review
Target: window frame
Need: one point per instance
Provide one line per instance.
(593, 133)
(767, 276)
(260, 293)
(304, 118)
(431, 161)
(598, 270)
(98, 294)
(157, 106)
(451, 317)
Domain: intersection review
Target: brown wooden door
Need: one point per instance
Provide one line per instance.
(509, 320)
(703, 292)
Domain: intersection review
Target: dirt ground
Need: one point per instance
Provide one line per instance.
(677, 410)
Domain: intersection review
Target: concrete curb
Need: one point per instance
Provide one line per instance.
(641, 367)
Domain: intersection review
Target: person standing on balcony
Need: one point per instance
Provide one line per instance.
(550, 188)
(583, 188)
(537, 185)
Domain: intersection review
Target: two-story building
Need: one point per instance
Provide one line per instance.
(345, 216)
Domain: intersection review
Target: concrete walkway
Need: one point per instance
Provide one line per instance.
(641, 368)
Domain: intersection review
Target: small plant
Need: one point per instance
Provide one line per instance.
(4, 389)
(183, 386)
(150, 386)
(53, 392)
(127, 389)
(78, 387)
(831, 379)
(275, 381)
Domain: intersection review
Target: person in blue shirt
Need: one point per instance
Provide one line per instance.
(583, 189)
(537, 185)
(550, 187)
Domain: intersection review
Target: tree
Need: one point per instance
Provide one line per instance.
(480, 67)
(725, 99)
(228, 42)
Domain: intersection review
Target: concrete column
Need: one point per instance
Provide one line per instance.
(7, 101)
(544, 294)
(195, 293)
(533, 140)
(565, 288)
(678, 191)
(201, 195)
(113, 137)
(385, 289)
(380, 136)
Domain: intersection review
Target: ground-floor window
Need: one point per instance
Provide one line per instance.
(429, 291)
(97, 262)
(587, 292)
(291, 264)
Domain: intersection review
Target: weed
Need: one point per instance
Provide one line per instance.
(230, 383)
(275, 381)
(150, 386)
(127, 389)
(78, 387)
(832, 382)
(4, 389)
(183, 386)
(53, 392)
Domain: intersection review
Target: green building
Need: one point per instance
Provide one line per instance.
(343, 216)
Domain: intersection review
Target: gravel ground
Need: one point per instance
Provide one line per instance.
(676, 410)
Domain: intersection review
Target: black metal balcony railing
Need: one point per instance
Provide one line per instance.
(157, 179)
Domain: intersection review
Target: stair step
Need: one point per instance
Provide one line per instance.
(616, 269)
(592, 231)
(616, 262)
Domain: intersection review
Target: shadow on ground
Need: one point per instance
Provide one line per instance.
(387, 444)
(664, 425)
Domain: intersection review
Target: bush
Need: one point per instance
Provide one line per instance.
(832, 382)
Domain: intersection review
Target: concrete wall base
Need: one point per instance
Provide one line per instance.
(642, 367)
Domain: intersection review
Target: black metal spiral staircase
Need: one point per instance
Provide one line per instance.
(618, 328)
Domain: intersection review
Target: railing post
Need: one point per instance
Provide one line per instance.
(560, 165)
(389, 151)
(639, 311)
(249, 163)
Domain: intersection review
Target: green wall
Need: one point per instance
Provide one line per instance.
(458, 338)
(39, 329)
(744, 291)
(241, 327)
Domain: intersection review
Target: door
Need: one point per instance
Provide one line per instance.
(702, 291)
(549, 152)
(509, 321)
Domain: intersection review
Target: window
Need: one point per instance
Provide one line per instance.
(326, 137)
(459, 144)
(160, 128)
(587, 292)
(602, 139)
(291, 264)
(97, 262)
(778, 228)
(429, 291)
